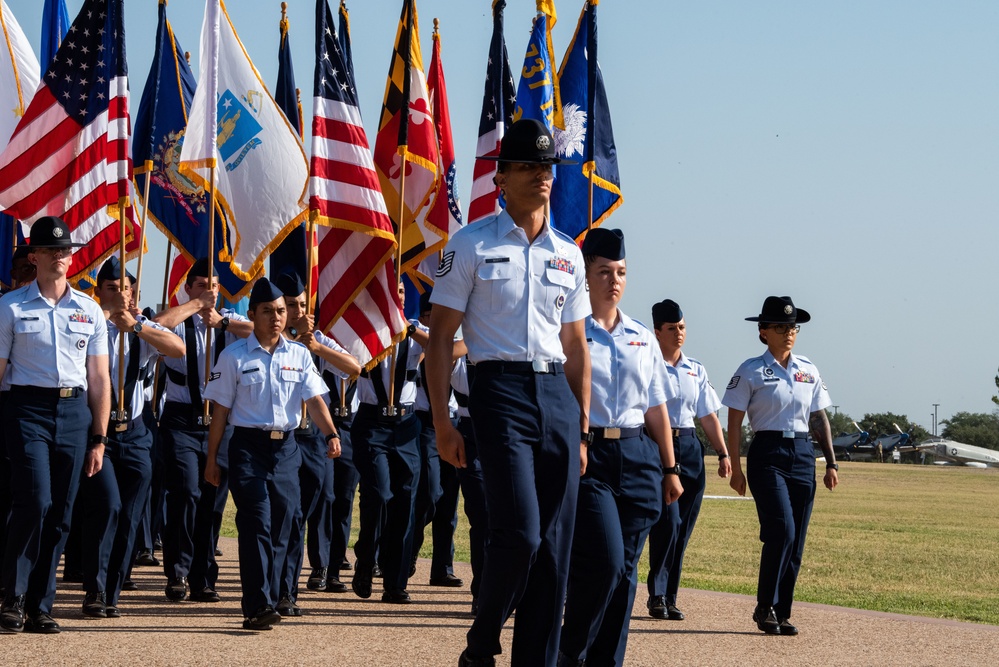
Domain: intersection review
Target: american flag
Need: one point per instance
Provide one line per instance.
(359, 301)
(68, 156)
(498, 104)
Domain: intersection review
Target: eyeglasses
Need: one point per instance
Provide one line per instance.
(781, 329)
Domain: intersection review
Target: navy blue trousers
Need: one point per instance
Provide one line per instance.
(154, 509)
(669, 536)
(333, 519)
(314, 476)
(527, 432)
(264, 484)
(620, 498)
(110, 505)
(474, 495)
(5, 496)
(436, 502)
(189, 534)
(781, 476)
(46, 443)
(387, 456)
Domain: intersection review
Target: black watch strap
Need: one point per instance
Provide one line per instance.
(97, 440)
(332, 436)
(832, 466)
(587, 437)
(675, 470)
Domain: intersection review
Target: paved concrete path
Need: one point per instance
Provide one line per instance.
(341, 629)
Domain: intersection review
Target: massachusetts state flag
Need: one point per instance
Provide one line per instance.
(359, 301)
(587, 138)
(68, 156)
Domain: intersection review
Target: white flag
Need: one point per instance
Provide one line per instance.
(261, 169)
(19, 74)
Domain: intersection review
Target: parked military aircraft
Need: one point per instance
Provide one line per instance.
(950, 453)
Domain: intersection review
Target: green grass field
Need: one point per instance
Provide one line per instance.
(908, 539)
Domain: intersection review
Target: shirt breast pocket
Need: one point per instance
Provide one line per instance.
(558, 284)
(80, 333)
(28, 332)
(291, 375)
(500, 281)
(251, 383)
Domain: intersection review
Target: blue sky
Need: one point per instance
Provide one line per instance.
(842, 153)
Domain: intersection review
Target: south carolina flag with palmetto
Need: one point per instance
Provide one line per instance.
(587, 135)
(234, 123)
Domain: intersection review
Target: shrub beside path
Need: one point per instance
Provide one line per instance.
(341, 629)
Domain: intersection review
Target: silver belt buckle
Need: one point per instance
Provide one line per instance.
(788, 434)
(612, 433)
(539, 366)
(676, 433)
(65, 392)
(277, 435)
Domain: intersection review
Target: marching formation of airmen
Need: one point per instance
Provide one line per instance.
(104, 456)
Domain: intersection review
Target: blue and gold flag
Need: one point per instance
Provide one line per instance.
(587, 137)
(55, 25)
(177, 205)
(538, 89)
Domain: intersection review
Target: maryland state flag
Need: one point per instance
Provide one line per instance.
(587, 135)
(406, 135)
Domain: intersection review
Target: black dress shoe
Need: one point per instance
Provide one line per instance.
(657, 606)
(176, 589)
(12, 614)
(786, 628)
(465, 660)
(396, 597)
(447, 581)
(566, 661)
(95, 605)
(206, 594)
(334, 585)
(41, 624)
(674, 614)
(345, 565)
(72, 577)
(112, 611)
(317, 580)
(287, 607)
(146, 559)
(360, 586)
(263, 619)
(376, 572)
(218, 553)
(157, 544)
(766, 620)
(129, 585)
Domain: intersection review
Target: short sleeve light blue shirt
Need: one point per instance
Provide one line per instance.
(264, 390)
(365, 386)
(147, 353)
(626, 372)
(777, 398)
(694, 397)
(48, 345)
(515, 294)
(179, 392)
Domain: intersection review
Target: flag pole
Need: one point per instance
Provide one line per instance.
(122, 278)
(211, 272)
(148, 167)
(398, 267)
(589, 216)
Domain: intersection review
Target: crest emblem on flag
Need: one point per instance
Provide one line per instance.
(238, 129)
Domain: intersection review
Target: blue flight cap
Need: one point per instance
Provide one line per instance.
(111, 270)
(290, 284)
(603, 242)
(199, 270)
(264, 291)
(666, 312)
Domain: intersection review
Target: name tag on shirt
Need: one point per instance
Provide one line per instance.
(497, 260)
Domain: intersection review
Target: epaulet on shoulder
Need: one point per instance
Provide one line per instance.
(641, 324)
(805, 359)
(562, 235)
(694, 361)
(295, 342)
(83, 294)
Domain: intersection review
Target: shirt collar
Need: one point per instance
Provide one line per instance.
(625, 325)
(253, 344)
(505, 226)
(32, 293)
(769, 360)
(684, 362)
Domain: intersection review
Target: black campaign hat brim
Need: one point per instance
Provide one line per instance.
(801, 316)
(553, 160)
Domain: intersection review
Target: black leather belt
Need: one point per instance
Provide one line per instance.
(602, 433)
(47, 392)
(519, 367)
(382, 412)
(784, 434)
(677, 432)
(271, 435)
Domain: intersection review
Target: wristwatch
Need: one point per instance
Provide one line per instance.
(587, 437)
(832, 466)
(137, 328)
(224, 324)
(332, 436)
(411, 329)
(97, 440)
(723, 456)
(675, 470)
